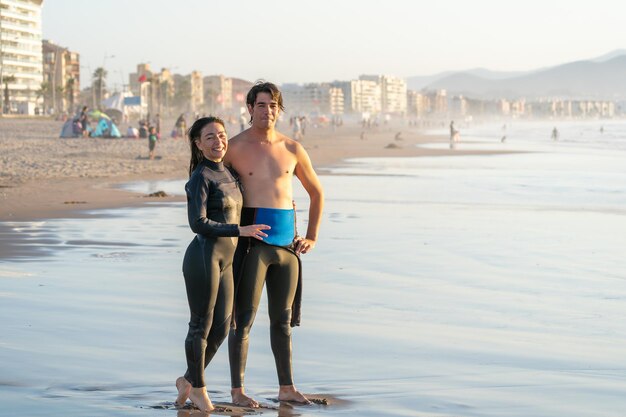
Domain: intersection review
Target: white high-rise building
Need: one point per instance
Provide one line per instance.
(392, 92)
(21, 57)
(360, 96)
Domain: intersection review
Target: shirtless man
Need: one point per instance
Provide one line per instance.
(266, 161)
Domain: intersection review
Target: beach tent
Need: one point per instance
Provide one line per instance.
(106, 129)
(115, 114)
(70, 129)
(124, 103)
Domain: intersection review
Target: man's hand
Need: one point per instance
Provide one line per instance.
(303, 245)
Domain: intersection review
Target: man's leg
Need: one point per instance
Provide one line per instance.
(282, 282)
(251, 280)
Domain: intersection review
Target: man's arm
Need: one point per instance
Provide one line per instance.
(311, 183)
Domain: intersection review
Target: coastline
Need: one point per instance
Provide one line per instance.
(42, 176)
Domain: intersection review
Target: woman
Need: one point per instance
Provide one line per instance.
(214, 204)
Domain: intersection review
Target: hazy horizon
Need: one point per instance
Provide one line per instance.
(326, 41)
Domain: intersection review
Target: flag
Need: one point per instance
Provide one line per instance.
(142, 78)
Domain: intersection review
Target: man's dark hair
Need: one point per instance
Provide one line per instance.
(264, 87)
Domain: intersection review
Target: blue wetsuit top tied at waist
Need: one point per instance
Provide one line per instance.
(282, 223)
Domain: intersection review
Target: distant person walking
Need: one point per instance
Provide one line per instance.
(297, 128)
(555, 134)
(454, 135)
(180, 126)
(83, 118)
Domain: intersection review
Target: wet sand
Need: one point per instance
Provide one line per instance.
(462, 286)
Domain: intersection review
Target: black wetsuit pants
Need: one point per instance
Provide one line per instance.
(208, 272)
(278, 268)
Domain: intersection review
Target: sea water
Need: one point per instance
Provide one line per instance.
(440, 286)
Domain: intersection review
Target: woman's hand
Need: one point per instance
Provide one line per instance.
(303, 245)
(254, 230)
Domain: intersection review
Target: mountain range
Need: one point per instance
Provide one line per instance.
(601, 78)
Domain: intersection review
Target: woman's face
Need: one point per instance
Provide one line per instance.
(213, 142)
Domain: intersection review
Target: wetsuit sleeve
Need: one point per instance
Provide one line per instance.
(197, 190)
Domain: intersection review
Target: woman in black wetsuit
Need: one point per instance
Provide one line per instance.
(214, 204)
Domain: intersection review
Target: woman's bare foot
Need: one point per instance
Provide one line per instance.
(183, 387)
(241, 399)
(290, 393)
(200, 399)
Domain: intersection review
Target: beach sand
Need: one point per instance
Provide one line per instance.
(43, 176)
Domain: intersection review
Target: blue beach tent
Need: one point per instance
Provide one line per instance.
(106, 129)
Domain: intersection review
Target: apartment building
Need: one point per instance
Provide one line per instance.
(392, 93)
(21, 58)
(360, 96)
(313, 98)
(218, 93)
(61, 78)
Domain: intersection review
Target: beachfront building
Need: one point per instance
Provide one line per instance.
(360, 96)
(140, 85)
(197, 96)
(312, 99)
(166, 92)
(418, 105)
(240, 90)
(336, 101)
(61, 74)
(392, 93)
(458, 106)
(441, 102)
(21, 58)
(218, 93)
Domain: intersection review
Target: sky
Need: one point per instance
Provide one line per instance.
(287, 41)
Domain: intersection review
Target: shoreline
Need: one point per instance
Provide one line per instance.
(85, 174)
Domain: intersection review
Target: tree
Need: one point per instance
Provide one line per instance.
(70, 86)
(99, 85)
(182, 95)
(7, 79)
(45, 91)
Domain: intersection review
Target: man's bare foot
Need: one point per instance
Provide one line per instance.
(241, 399)
(183, 387)
(200, 399)
(290, 393)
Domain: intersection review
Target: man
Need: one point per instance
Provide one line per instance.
(266, 161)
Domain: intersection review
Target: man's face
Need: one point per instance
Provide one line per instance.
(265, 111)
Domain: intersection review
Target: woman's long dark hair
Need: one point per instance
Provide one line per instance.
(193, 134)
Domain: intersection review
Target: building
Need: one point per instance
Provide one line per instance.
(360, 96)
(218, 93)
(61, 79)
(140, 84)
(188, 92)
(21, 58)
(166, 92)
(197, 90)
(240, 90)
(418, 104)
(313, 98)
(392, 93)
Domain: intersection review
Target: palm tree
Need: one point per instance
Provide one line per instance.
(7, 79)
(69, 89)
(99, 84)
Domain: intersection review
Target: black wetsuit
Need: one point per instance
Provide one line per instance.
(213, 206)
(257, 263)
